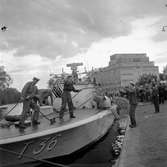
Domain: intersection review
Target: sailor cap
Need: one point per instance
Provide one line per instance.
(132, 83)
(35, 78)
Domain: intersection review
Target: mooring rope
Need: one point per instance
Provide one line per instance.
(10, 110)
(30, 157)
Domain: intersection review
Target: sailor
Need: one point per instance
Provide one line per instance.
(30, 97)
(106, 103)
(66, 97)
(132, 96)
(155, 97)
(44, 94)
(161, 89)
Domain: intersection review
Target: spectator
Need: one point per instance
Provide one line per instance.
(155, 97)
(132, 96)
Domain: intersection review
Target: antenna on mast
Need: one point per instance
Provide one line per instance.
(74, 67)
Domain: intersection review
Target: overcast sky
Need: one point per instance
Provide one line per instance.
(44, 35)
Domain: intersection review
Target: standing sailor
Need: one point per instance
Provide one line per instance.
(66, 97)
(29, 97)
(155, 97)
(132, 96)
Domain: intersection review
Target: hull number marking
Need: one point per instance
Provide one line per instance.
(47, 144)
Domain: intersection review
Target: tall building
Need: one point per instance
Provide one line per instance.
(124, 68)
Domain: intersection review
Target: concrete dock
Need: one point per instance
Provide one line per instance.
(146, 145)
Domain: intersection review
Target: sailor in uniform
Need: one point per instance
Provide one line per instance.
(66, 97)
(155, 97)
(30, 97)
(105, 103)
(132, 96)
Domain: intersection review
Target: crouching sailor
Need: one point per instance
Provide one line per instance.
(106, 103)
(66, 97)
(30, 98)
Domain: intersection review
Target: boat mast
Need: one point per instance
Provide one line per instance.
(74, 67)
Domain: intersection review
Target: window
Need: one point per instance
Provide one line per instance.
(136, 60)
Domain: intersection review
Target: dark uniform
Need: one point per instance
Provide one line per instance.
(29, 96)
(66, 98)
(155, 98)
(132, 96)
(161, 90)
(43, 96)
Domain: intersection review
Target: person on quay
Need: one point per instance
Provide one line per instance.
(132, 96)
(30, 98)
(66, 97)
(155, 97)
(161, 89)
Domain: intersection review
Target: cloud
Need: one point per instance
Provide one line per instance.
(45, 35)
(44, 28)
(49, 28)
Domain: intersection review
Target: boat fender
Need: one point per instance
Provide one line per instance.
(12, 118)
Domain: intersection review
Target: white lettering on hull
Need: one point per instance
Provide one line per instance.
(47, 144)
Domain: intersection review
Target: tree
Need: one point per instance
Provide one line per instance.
(9, 96)
(165, 70)
(164, 73)
(161, 76)
(5, 79)
(146, 79)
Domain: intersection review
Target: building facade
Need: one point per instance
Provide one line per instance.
(124, 68)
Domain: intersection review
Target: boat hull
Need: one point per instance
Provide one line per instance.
(57, 144)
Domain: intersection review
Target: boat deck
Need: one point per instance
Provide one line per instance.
(146, 145)
(82, 116)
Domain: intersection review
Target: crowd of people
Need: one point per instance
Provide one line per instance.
(154, 92)
(144, 93)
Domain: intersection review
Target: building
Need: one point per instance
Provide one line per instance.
(124, 68)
